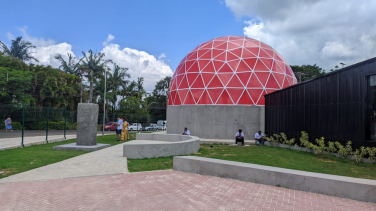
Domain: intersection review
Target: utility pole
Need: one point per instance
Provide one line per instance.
(104, 101)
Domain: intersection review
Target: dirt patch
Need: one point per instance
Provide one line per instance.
(327, 161)
(7, 171)
(197, 153)
(225, 155)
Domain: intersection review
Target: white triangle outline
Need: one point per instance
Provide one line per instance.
(235, 103)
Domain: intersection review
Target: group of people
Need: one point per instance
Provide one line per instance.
(8, 124)
(259, 137)
(122, 133)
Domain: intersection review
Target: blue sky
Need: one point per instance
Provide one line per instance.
(150, 37)
(158, 26)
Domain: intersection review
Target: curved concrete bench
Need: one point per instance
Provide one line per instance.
(149, 145)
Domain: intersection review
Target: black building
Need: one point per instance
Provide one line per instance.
(339, 106)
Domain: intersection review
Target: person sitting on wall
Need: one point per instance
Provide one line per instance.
(239, 137)
(259, 137)
(186, 132)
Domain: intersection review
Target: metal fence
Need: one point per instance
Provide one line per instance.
(36, 124)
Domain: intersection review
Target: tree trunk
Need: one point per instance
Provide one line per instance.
(81, 90)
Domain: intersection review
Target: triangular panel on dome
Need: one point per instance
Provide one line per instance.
(224, 99)
(191, 78)
(189, 99)
(209, 68)
(218, 42)
(206, 55)
(232, 46)
(221, 57)
(254, 51)
(214, 94)
(262, 99)
(268, 91)
(276, 68)
(256, 42)
(281, 65)
(225, 69)
(235, 82)
(279, 78)
(244, 77)
(245, 99)
(179, 79)
(285, 82)
(242, 67)
(233, 64)
(192, 55)
(170, 101)
(248, 54)
(225, 77)
(263, 45)
(272, 83)
(263, 54)
(207, 77)
(215, 82)
(231, 38)
(263, 77)
(218, 64)
(270, 52)
(200, 53)
(177, 99)
(206, 45)
(290, 80)
(254, 82)
(188, 64)
(184, 83)
(173, 84)
(289, 70)
(203, 63)
(260, 66)
(196, 93)
(231, 56)
(237, 52)
(222, 46)
(235, 94)
(194, 68)
(182, 94)
(268, 63)
(180, 69)
(251, 63)
(238, 42)
(216, 52)
(255, 94)
(198, 83)
(249, 44)
(277, 56)
(205, 99)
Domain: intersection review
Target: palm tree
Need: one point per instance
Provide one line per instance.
(140, 88)
(19, 49)
(117, 80)
(95, 65)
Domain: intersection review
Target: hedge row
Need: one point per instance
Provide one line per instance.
(42, 126)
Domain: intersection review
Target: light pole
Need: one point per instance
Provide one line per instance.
(343, 64)
(104, 100)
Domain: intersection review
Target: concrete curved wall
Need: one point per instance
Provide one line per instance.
(160, 145)
(216, 121)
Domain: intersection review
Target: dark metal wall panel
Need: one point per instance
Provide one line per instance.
(332, 106)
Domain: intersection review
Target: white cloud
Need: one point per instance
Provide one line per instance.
(140, 64)
(109, 39)
(45, 54)
(312, 31)
(162, 56)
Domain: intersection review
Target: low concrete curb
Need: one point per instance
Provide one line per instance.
(75, 147)
(160, 145)
(345, 187)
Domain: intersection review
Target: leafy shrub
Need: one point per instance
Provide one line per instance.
(371, 153)
(331, 147)
(304, 139)
(359, 154)
(287, 141)
(321, 146)
(344, 151)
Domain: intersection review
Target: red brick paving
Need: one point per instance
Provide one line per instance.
(163, 190)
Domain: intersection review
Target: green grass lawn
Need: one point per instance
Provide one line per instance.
(18, 160)
(269, 156)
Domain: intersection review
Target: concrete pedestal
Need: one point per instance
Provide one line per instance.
(87, 120)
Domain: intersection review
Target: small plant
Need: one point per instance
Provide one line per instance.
(341, 149)
(287, 141)
(271, 140)
(304, 139)
(349, 148)
(371, 153)
(359, 154)
(277, 138)
(321, 146)
(331, 147)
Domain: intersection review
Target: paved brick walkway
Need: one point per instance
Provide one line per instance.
(163, 190)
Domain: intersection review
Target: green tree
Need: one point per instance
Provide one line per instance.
(94, 65)
(133, 109)
(117, 81)
(19, 49)
(307, 72)
(70, 66)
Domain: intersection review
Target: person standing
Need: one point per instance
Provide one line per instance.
(239, 137)
(8, 124)
(259, 137)
(119, 128)
(125, 134)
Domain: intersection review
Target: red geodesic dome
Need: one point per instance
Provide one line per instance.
(230, 70)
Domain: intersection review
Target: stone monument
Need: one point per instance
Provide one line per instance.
(87, 119)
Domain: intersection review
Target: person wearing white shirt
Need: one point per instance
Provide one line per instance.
(239, 137)
(259, 137)
(186, 132)
(119, 128)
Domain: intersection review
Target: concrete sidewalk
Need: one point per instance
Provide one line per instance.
(102, 162)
